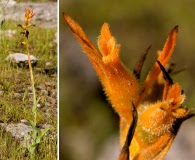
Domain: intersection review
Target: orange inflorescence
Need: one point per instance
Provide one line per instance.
(28, 15)
(157, 120)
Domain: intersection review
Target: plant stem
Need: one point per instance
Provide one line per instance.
(33, 86)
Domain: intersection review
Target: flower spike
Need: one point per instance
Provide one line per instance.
(28, 15)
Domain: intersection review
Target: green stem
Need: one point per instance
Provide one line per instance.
(33, 86)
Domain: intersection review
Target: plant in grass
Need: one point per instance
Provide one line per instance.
(34, 138)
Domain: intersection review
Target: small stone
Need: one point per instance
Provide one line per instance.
(24, 121)
(48, 64)
(18, 130)
(29, 88)
(17, 95)
(47, 104)
(46, 126)
(21, 59)
(38, 105)
(44, 92)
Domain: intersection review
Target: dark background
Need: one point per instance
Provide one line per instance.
(88, 125)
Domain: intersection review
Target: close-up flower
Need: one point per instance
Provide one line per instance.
(149, 133)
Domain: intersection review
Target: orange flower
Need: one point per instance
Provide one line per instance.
(28, 15)
(148, 124)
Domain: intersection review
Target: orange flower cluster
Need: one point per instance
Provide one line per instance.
(148, 124)
(28, 15)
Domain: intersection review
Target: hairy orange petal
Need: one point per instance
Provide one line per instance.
(86, 44)
(104, 38)
(120, 85)
(81, 36)
(163, 58)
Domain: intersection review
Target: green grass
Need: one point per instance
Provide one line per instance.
(16, 101)
(11, 148)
